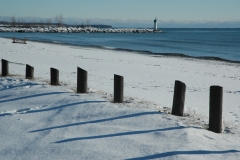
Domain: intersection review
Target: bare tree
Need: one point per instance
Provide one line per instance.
(59, 19)
(49, 22)
(18, 22)
(88, 22)
(23, 22)
(13, 21)
(41, 24)
(34, 22)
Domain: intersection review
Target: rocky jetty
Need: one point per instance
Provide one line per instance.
(78, 30)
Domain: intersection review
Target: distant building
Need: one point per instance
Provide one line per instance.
(155, 24)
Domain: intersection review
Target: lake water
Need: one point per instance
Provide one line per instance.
(204, 43)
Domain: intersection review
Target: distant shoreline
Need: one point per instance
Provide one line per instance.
(77, 30)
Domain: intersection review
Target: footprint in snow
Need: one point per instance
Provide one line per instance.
(21, 111)
(42, 106)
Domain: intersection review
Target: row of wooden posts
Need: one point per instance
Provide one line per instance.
(215, 104)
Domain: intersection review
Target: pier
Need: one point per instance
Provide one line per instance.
(78, 30)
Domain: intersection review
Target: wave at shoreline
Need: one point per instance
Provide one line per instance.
(150, 53)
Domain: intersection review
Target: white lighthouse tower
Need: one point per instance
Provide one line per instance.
(155, 24)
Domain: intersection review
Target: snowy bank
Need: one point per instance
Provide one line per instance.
(39, 121)
(146, 77)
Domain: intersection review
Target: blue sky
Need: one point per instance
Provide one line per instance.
(120, 12)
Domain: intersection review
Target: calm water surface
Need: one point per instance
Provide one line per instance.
(218, 43)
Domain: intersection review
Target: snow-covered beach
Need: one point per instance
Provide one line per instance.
(39, 121)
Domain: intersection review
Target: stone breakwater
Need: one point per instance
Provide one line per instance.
(77, 30)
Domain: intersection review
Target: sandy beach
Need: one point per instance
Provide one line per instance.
(148, 87)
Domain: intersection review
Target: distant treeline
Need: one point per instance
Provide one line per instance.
(43, 24)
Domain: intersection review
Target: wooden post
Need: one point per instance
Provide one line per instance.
(29, 72)
(54, 73)
(5, 70)
(215, 109)
(178, 98)
(81, 80)
(118, 89)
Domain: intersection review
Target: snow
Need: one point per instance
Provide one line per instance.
(39, 121)
(78, 30)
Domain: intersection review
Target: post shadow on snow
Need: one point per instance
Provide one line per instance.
(5, 114)
(54, 108)
(23, 85)
(32, 96)
(62, 106)
(173, 153)
(99, 121)
(120, 134)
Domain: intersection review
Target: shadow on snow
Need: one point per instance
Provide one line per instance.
(53, 108)
(32, 96)
(173, 153)
(17, 86)
(98, 121)
(119, 134)
(62, 106)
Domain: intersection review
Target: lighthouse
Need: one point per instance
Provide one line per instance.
(155, 24)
